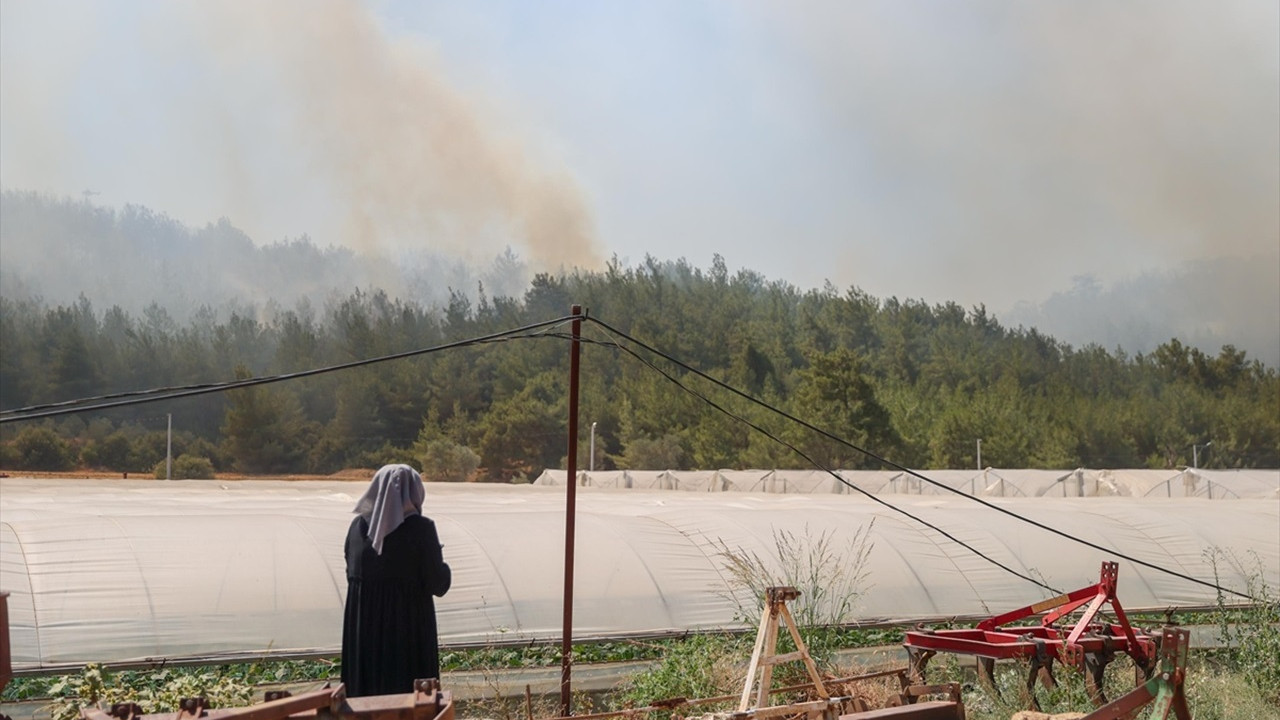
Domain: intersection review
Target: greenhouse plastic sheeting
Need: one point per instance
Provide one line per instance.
(122, 571)
(991, 482)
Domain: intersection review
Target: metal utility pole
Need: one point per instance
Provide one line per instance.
(566, 643)
(591, 463)
(1195, 453)
(979, 453)
(168, 451)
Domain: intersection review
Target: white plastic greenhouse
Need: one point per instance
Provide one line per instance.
(991, 482)
(119, 571)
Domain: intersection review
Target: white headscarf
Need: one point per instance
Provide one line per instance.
(396, 492)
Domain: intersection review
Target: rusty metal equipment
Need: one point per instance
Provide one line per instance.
(1088, 646)
(426, 702)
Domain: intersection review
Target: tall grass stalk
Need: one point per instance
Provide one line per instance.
(1250, 632)
(830, 576)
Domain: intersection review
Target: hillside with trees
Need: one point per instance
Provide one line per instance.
(907, 381)
(162, 305)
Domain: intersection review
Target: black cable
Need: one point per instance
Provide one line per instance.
(140, 397)
(889, 463)
(829, 471)
(160, 394)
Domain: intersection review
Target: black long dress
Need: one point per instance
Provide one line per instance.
(389, 623)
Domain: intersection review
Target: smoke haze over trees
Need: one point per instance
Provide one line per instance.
(58, 249)
(100, 301)
(1103, 172)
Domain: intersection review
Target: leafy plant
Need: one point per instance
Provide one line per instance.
(75, 692)
(700, 666)
(154, 692)
(186, 467)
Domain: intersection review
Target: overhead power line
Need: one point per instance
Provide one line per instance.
(531, 331)
(889, 463)
(139, 397)
(820, 466)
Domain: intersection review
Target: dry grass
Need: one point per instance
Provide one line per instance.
(876, 693)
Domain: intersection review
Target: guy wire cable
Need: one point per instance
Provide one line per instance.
(140, 397)
(913, 473)
(829, 471)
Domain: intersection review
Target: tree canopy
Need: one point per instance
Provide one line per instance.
(914, 383)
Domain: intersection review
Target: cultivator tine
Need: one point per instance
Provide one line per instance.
(1095, 668)
(918, 661)
(1095, 671)
(987, 674)
(1041, 669)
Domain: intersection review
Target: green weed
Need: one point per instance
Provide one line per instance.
(1250, 632)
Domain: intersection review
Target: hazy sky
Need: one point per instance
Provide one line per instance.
(982, 152)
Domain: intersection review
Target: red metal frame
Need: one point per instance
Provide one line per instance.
(1087, 645)
(992, 639)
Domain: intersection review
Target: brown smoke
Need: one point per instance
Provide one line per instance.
(1086, 136)
(404, 157)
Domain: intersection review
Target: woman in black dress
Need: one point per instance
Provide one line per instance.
(394, 567)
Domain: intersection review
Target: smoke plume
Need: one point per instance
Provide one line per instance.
(291, 117)
(1012, 146)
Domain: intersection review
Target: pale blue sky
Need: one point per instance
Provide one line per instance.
(983, 152)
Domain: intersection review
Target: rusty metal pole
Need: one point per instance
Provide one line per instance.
(566, 643)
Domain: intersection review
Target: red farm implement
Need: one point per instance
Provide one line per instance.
(1087, 645)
